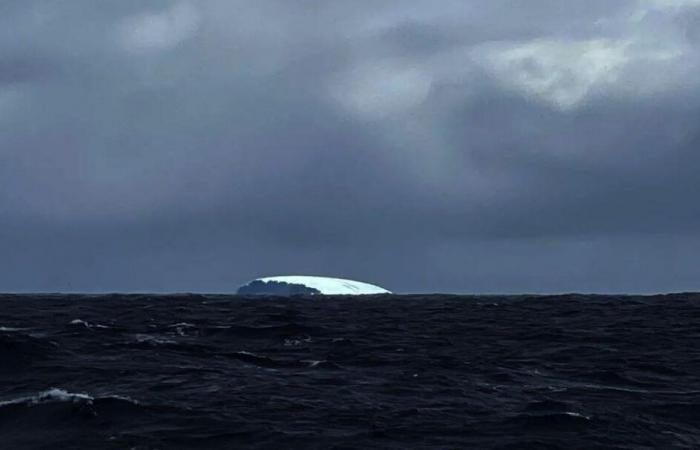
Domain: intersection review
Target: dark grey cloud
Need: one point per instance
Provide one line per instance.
(500, 147)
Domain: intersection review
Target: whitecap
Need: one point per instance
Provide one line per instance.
(294, 342)
(182, 324)
(52, 395)
(11, 329)
(180, 327)
(314, 363)
(57, 395)
(575, 414)
(86, 324)
(155, 340)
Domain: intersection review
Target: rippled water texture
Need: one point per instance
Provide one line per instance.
(394, 372)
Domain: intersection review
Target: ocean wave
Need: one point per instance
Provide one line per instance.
(153, 340)
(265, 332)
(82, 323)
(429, 372)
(182, 328)
(265, 361)
(11, 329)
(552, 422)
(57, 395)
(18, 350)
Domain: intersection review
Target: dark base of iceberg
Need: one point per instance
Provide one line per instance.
(258, 287)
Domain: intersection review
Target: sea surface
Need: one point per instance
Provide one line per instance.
(389, 372)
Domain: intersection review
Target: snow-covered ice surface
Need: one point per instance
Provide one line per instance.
(328, 286)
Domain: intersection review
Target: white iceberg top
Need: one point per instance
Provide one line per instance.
(329, 286)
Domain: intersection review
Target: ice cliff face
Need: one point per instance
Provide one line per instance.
(298, 284)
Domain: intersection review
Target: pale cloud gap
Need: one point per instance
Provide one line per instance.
(562, 73)
(160, 30)
(382, 88)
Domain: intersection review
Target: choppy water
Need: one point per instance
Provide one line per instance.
(438, 372)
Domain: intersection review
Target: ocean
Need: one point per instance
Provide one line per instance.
(387, 372)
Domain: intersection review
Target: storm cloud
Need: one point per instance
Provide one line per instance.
(463, 146)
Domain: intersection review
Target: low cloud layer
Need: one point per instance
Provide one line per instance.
(501, 146)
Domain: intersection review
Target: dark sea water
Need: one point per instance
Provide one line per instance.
(423, 372)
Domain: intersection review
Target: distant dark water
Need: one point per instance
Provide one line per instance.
(433, 372)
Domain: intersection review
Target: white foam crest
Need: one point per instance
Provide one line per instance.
(314, 363)
(182, 324)
(155, 340)
(575, 414)
(53, 395)
(124, 398)
(11, 329)
(57, 395)
(181, 327)
(294, 342)
(86, 324)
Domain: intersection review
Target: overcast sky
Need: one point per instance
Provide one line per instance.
(454, 146)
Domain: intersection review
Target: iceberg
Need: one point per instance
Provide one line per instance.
(308, 285)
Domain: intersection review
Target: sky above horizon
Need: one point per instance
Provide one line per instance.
(460, 146)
